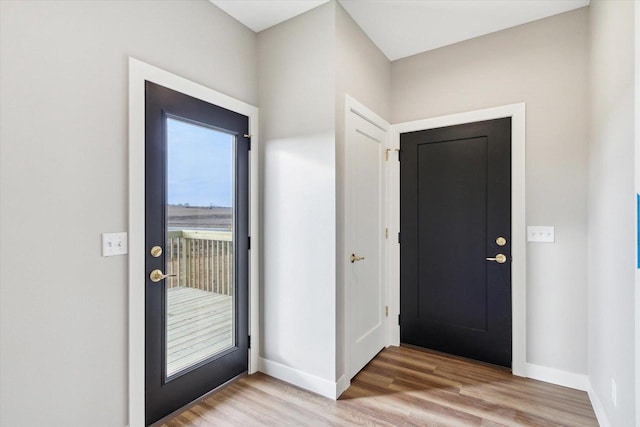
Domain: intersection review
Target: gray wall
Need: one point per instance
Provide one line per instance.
(297, 125)
(63, 181)
(544, 64)
(612, 208)
(364, 73)
(307, 64)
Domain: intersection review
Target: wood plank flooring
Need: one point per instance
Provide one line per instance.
(402, 386)
(198, 326)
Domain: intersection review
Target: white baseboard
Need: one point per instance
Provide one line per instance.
(571, 380)
(601, 415)
(302, 379)
(558, 377)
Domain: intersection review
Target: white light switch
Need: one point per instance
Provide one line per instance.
(114, 244)
(541, 234)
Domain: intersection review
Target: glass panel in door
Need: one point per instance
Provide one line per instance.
(199, 244)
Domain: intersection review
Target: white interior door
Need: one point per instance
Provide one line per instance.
(365, 233)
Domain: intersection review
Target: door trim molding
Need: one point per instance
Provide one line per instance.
(139, 72)
(517, 113)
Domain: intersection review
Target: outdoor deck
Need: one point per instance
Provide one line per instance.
(199, 324)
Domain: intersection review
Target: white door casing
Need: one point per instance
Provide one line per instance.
(518, 227)
(365, 191)
(139, 72)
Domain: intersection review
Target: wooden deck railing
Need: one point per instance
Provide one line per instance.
(201, 259)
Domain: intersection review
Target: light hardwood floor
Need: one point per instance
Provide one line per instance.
(402, 386)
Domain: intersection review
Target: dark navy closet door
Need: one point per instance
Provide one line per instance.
(455, 262)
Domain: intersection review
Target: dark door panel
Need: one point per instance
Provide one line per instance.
(455, 202)
(196, 211)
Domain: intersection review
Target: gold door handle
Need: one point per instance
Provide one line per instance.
(353, 258)
(157, 275)
(500, 259)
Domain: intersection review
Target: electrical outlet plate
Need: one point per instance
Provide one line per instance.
(541, 234)
(114, 244)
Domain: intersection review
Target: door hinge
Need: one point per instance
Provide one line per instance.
(386, 154)
(249, 341)
(398, 319)
(398, 150)
(249, 242)
(386, 311)
(386, 232)
(398, 237)
(248, 136)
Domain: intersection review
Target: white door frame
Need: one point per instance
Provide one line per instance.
(518, 223)
(139, 72)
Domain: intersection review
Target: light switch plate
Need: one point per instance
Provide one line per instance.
(541, 234)
(114, 244)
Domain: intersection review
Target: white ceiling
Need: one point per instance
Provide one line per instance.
(262, 14)
(402, 28)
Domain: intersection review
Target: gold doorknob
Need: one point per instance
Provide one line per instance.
(353, 258)
(157, 275)
(500, 259)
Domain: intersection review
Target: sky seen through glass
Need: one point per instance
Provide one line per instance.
(199, 165)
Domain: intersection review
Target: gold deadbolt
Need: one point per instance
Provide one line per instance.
(501, 241)
(156, 251)
(158, 275)
(500, 259)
